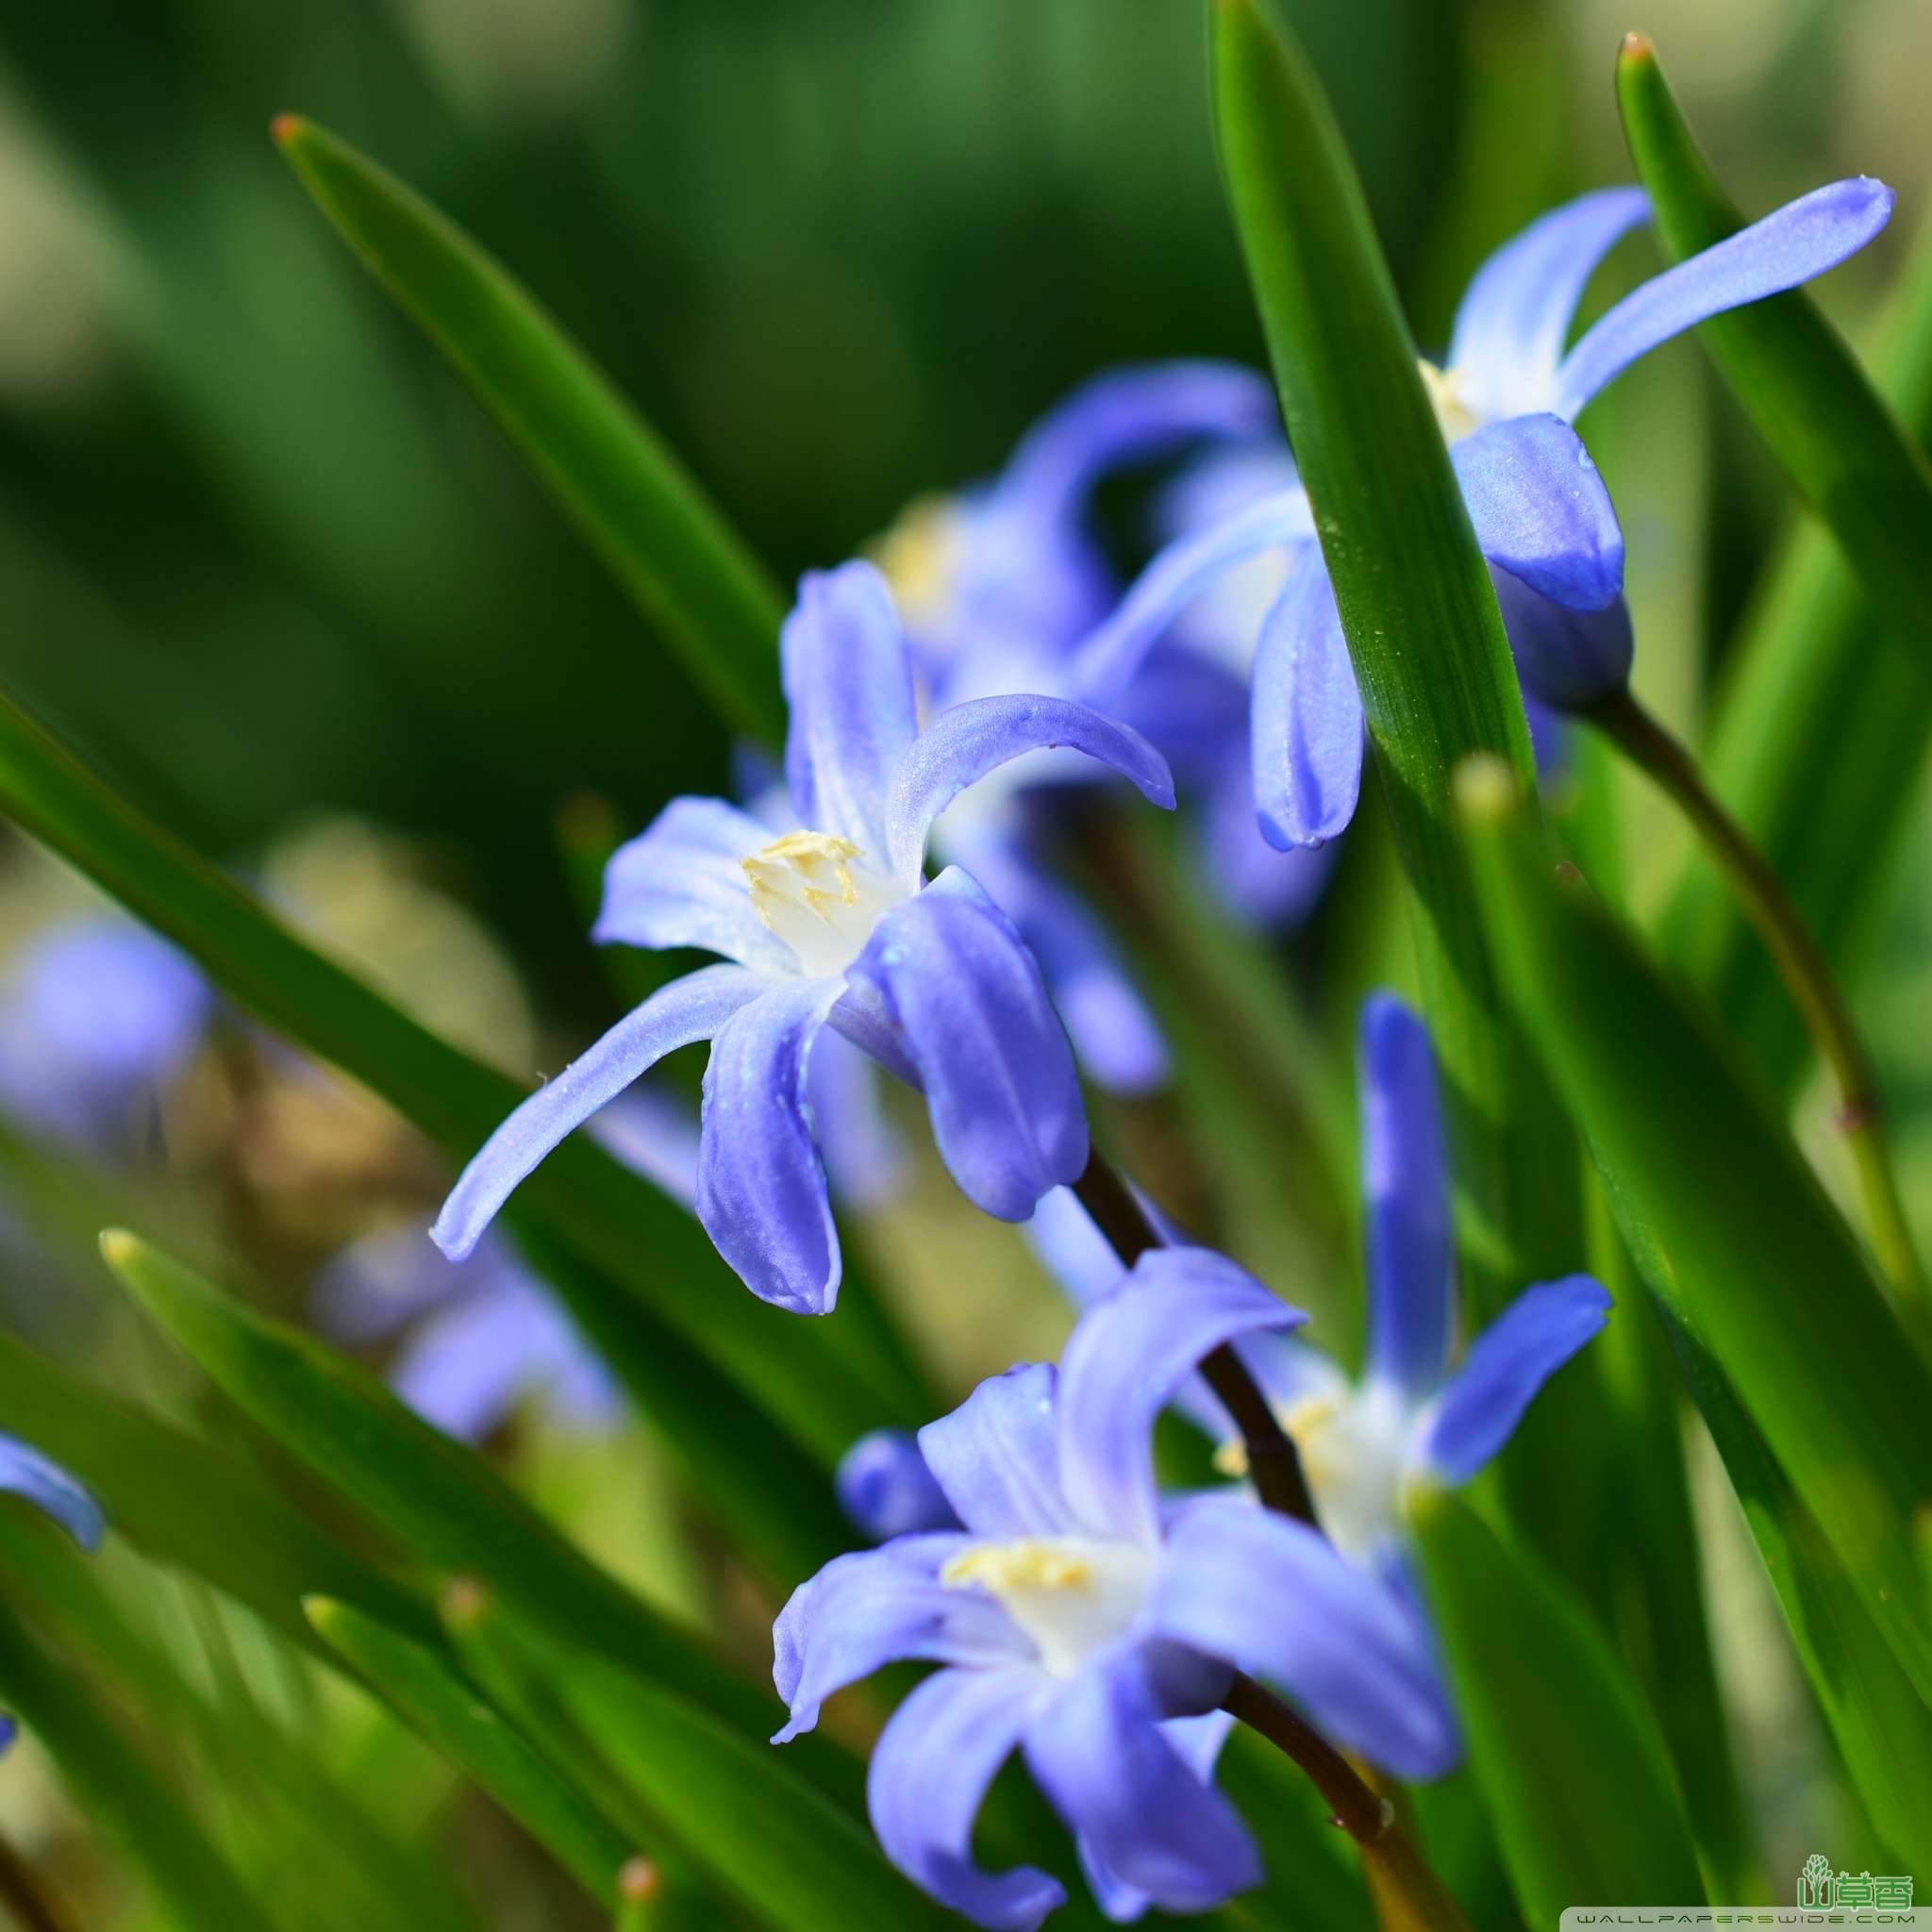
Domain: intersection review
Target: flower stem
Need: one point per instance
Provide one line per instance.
(1410, 1896)
(1274, 1466)
(1801, 964)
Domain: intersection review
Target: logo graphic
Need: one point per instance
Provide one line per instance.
(1822, 1890)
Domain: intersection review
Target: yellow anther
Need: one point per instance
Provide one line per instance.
(1024, 1565)
(796, 869)
(1444, 386)
(920, 556)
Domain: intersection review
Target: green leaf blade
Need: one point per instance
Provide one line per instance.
(642, 514)
(447, 1714)
(1722, 1216)
(1579, 1785)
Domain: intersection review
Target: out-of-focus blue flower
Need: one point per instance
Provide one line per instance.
(1409, 1418)
(886, 1490)
(94, 1014)
(1000, 585)
(1093, 1627)
(487, 1334)
(834, 924)
(1506, 402)
(25, 1471)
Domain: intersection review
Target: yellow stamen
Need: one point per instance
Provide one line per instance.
(1029, 1564)
(1444, 386)
(794, 868)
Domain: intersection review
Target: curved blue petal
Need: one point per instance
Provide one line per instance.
(928, 1776)
(962, 745)
(1178, 574)
(1506, 1364)
(848, 680)
(1114, 1037)
(967, 1003)
(1791, 246)
(1515, 315)
(862, 1150)
(686, 1010)
(1125, 416)
(886, 1490)
(1139, 1808)
(1273, 1597)
(1306, 715)
(880, 1607)
(1406, 1188)
(1566, 658)
(762, 1185)
(25, 1471)
(1541, 510)
(1126, 1358)
(996, 1457)
(680, 882)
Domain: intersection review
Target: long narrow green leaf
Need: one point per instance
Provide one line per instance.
(757, 1830)
(638, 508)
(1723, 1215)
(273, 1784)
(1423, 631)
(439, 1498)
(686, 1335)
(191, 1506)
(1434, 669)
(1812, 675)
(1881, 1725)
(448, 1714)
(1834, 436)
(117, 1785)
(1567, 1756)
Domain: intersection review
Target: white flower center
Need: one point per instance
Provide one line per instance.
(1070, 1595)
(814, 891)
(1354, 1449)
(1453, 413)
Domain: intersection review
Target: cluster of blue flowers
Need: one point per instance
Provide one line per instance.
(989, 667)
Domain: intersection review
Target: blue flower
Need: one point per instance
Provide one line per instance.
(1409, 1419)
(486, 1333)
(834, 924)
(886, 1490)
(25, 1471)
(95, 1014)
(1084, 1622)
(1000, 585)
(1506, 401)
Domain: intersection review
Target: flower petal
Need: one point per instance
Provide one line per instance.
(996, 1457)
(1141, 1810)
(962, 745)
(1506, 1364)
(1566, 658)
(1306, 715)
(1260, 885)
(1114, 1037)
(1130, 416)
(1178, 574)
(1515, 315)
(1791, 246)
(968, 1006)
(928, 1777)
(25, 1471)
(874, 1608)
(861, 1148)
(1273, 1597)
(1406, 1188)
(1541, 510)
(848, 680)
(656, 1136)
(762, 1185)
(1126, 1359)
(886, 1490)
(680, 883)
(689, 1010)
